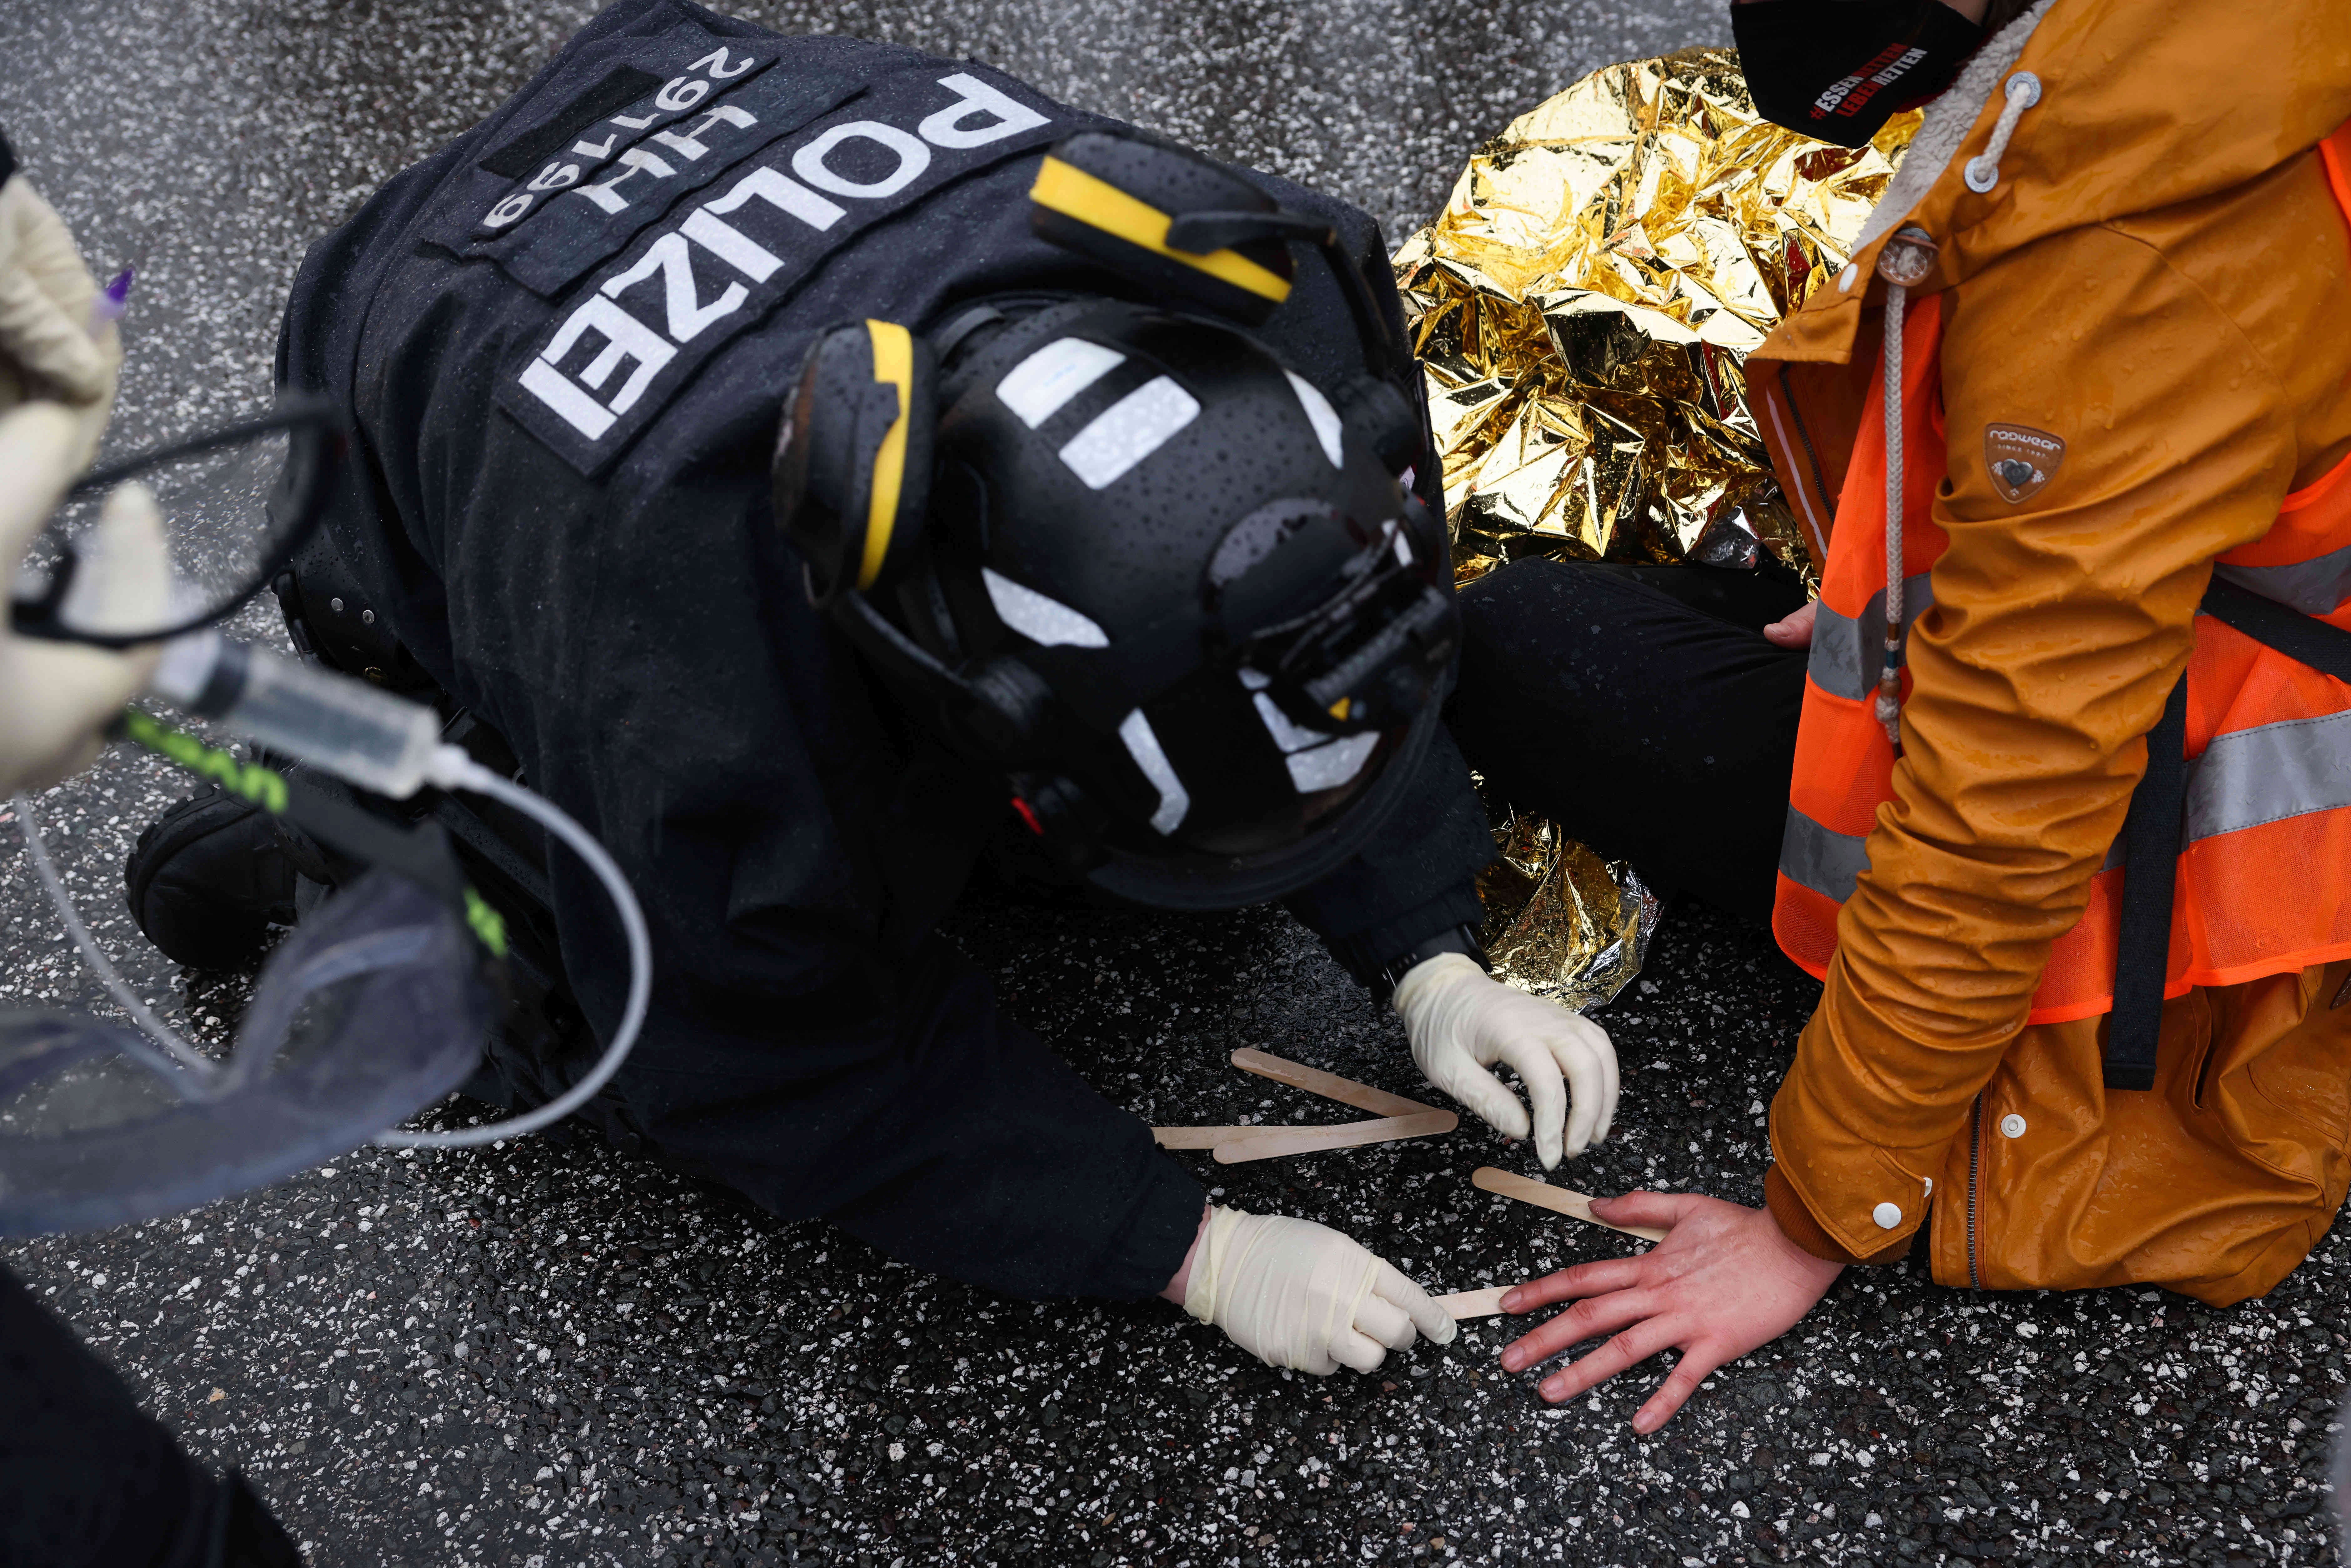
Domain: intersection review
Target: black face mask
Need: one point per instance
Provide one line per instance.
(1838, 69)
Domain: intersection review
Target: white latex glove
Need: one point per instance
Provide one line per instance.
(1461, 1021)
(1297, 1295)
(56, 697)
(46, 348)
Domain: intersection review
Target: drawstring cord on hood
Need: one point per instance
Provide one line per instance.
(1889, 676)
(1983, 172)
(1908, 258)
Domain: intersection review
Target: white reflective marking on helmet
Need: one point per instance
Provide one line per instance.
(1047, 622)
(1290, 737)
(1328, 767)
(1322, 415)
(1041, 384)
(1129, 430)
(1142, 746)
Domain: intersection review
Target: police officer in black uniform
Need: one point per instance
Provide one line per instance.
(784, 452)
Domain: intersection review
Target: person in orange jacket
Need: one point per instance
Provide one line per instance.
(2109, 289)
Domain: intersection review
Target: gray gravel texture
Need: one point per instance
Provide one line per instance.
(548, 1355)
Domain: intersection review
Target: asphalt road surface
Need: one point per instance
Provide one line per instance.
(547, 1354)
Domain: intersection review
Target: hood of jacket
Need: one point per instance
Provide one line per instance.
(2144, 105)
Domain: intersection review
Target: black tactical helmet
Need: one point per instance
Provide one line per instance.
(1154, 574)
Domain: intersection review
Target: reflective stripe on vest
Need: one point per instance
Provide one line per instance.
(1846, 649)
(2264, 879)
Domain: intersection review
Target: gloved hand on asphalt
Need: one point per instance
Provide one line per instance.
(1297, 1295)
(48, 349)
(56, 697)
(1461, 1021)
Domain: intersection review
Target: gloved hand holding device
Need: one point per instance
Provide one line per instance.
(52, 343)
(109, 618)
(59, 356)
(1461, 1022)
(57, 364)
(1297, 1295)
(57, 696)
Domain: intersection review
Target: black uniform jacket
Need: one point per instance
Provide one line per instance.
(563, 340)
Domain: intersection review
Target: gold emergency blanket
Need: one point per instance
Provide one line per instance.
(1584, 304)
(1584, 309)
(1561, 922)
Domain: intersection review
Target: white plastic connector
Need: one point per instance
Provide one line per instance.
(448, 767)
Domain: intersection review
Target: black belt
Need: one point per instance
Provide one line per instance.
(2151, 832)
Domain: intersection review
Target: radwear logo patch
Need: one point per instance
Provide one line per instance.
(2020, 459)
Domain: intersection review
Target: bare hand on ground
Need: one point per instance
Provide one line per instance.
(1723, 1282)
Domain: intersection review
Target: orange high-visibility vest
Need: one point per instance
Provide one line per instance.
(2264, 873)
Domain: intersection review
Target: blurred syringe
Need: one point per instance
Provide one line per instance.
(359, 733)
(392, 746)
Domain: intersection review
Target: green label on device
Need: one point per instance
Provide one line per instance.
(262, 786)
(490, 926)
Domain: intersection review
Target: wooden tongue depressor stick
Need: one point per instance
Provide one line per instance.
(1557, 1199)
(1329, 1085)
(1281, 1141)
(1210, 1138)
(1397, 1118)
(1342, 1136)
(1475, 1304)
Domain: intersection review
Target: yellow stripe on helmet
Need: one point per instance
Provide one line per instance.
(1072, 191)
(893, 363)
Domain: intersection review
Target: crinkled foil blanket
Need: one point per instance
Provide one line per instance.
(1584, 309)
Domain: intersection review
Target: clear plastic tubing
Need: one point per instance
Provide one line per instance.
(392, 746)
(345, 727)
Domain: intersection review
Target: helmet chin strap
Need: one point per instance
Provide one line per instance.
(1002, 726)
